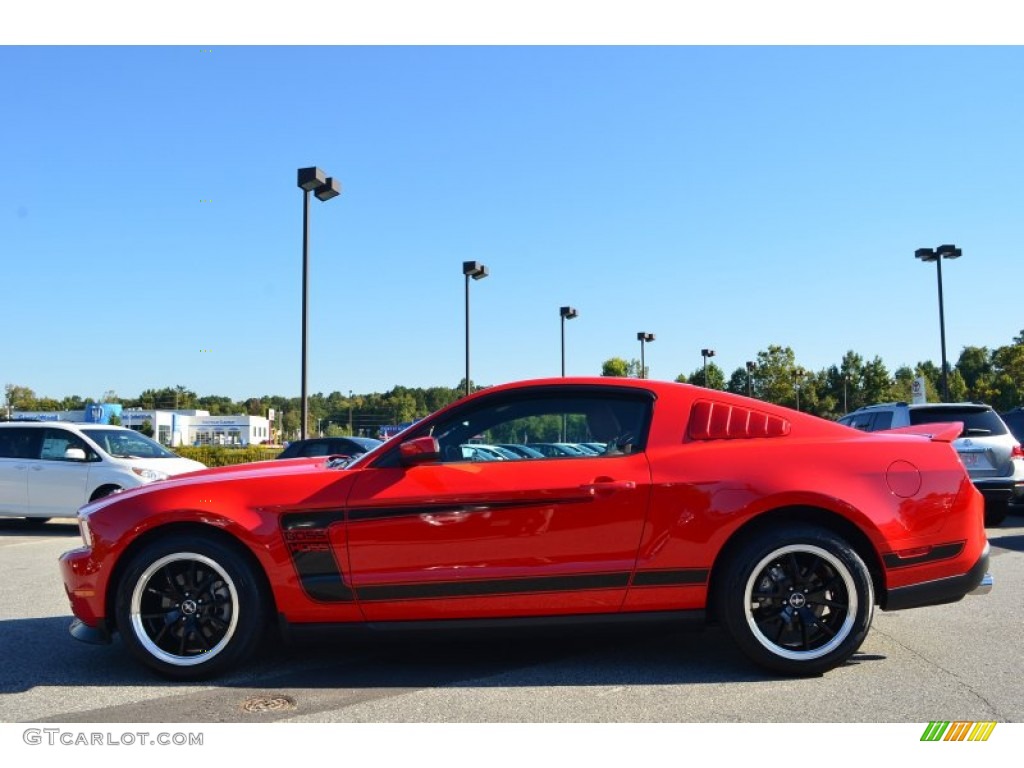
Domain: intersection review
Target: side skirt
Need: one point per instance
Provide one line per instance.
(313, 632)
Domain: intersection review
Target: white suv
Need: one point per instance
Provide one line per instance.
(51, 468)
(989, 451)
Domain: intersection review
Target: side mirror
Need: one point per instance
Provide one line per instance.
(74, 454)
(422, 450)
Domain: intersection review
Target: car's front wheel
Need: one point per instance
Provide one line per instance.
(797, 600)
(190, 607)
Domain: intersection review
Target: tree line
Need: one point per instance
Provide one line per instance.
(980, 374)
(993, 376)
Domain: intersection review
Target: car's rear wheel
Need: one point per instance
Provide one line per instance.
(797, 600)
(190, 607)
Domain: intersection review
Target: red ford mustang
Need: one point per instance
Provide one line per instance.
(785, 528)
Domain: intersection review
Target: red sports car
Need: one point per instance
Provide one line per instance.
(785, 528)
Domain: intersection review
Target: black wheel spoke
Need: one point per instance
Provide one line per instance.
(809, 619)
(198, 633)
(793, 569)
(207, 584)
(216, 622)
(172, 589)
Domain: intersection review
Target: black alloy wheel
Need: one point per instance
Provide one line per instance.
(798, 600)
(190, 607)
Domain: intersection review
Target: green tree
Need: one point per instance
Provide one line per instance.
(716, 377)
(776, 375)
(615, 366)
(875, 383)
(20, 398)
(738, 382)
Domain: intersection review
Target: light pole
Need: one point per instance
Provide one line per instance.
(706, 353)
(477, 271)
(937, 255)
(798, 374)
(566, 313)
(750, 378)
(310, 180)
(643, 338)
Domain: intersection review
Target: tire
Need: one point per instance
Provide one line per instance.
(995, 513)
(104, 490)
(190, 607)
(797, 600)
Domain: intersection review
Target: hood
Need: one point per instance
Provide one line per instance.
(268, 468)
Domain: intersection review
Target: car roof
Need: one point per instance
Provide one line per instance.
(921, 406)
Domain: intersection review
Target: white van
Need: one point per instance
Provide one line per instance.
(51, 468)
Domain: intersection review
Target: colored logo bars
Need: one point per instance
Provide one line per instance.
(957, 731)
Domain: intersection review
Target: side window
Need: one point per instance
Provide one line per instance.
(558, 426)
(883, 420)
(20, 443)
(315, 448)
(56, 443)
(861, 421)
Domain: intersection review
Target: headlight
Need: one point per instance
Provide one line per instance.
(149, 475)
(83, 528)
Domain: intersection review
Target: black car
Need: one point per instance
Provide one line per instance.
(329, 446)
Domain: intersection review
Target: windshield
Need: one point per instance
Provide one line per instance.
(128, 444)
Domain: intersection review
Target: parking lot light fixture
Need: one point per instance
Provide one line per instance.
(325, 188)
(566, 313)
(643, 337)
(947, 251)
(477, 271)
(706, 353)
(750, 377)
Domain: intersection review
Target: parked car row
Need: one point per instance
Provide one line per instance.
(988, 449)
(506, 451)
(329, 446)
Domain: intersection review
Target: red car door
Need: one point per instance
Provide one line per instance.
(496, 538)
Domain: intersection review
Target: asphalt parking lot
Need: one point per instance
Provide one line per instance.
(952, 662)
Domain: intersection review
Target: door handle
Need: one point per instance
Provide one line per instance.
(608, 485)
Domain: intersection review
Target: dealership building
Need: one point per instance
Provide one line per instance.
(172, 428)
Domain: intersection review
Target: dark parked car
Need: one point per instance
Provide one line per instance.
(329, 446)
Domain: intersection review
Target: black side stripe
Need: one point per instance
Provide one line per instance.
(309, 545)
(490, 587)
(675, 578)
(941, 552)
(308, 541)
(361, 514)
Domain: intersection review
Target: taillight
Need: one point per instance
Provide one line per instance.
(1017, 452)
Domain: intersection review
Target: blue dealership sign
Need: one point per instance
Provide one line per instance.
(100, 413)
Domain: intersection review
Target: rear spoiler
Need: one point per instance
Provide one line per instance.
(946, 432)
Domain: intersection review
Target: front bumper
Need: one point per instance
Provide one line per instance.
(977, 581)
(84, 588)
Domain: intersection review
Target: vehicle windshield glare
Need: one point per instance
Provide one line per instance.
(126, 443)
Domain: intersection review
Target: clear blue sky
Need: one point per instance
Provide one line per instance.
(724, 197)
